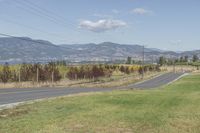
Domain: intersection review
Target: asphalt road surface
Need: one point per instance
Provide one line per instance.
(8, 96)
(157, 81)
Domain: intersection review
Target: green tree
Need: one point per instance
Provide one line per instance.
(181, 59)
(186, 58)
(195, 58)
(129, 60)
(161, 61)
(6, 74)
(122, 69)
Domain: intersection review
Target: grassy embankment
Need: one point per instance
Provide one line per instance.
(170, 109)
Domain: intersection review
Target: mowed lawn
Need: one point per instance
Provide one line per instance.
(171, 109)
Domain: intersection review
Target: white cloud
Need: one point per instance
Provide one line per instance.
(102, 25)
(141, 11)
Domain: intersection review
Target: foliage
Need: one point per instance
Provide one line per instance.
(57, 71)
(195, 58)
(129, 60)
(89, 72)
(162, 61)
(30, 72)
(5, 75)
(96, 71)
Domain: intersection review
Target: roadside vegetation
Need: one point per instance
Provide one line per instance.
(182, 61)
(90, 75)
(170, 109)
(30, 75)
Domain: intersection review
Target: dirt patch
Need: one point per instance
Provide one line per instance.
(7, 113)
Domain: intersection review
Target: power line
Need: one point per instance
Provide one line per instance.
(34, 10)
(48, 14)
(57, 16)
(31, 10)
(30, 27)
(45, 14)
(24, 39)
(37, 10)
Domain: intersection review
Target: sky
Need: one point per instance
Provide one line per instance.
(164, 24)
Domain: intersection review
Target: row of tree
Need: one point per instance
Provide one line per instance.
(30, 72)
(183, 59)
(88, 72)
(52, 72)
(96, 71)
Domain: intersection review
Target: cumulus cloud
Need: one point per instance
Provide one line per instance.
(141, 11)
(102, 25)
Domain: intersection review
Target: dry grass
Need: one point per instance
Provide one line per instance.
(179, 68)
(118, 79)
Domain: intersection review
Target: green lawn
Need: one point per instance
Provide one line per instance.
(172, 109)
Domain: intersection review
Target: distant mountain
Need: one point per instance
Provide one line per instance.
(25, 49)
(107, 51)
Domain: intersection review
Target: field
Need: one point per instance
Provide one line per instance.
(170, 109)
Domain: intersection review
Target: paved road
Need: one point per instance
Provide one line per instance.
(157, 81)
(8, 96)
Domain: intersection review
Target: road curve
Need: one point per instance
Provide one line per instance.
(157, 81)
(15, 95)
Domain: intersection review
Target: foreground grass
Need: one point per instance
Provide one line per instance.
(172, 109)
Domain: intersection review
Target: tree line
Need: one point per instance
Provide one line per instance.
(52, 72)
(30, 72)
(181, 60)
(97, 71)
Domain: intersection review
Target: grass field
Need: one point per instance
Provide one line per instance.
(171, 109)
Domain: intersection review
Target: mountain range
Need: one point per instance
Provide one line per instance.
(24, 49)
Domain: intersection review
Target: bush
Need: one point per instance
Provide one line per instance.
(44, 72)
(88, 72)
(5, 75)
(28, 72)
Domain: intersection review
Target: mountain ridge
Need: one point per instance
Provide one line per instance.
(25, 49)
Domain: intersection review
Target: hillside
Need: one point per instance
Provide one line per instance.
(25, 49)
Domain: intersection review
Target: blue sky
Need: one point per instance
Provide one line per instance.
(164, 24)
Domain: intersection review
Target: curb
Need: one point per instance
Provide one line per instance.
(13, 105)
(183, 75)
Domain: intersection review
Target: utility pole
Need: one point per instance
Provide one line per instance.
(143, 62)
(37, 75)
(19, 74)
(174, 67)
(52, 77)
(152, 60)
